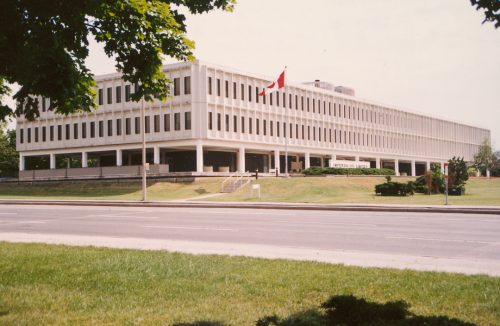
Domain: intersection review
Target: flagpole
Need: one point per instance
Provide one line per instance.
(286, 127)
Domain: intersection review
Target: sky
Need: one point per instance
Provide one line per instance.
(429, 56)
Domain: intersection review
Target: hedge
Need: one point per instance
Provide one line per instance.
(345, 171)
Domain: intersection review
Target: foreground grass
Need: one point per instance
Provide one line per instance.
(330, 190)
(46, 284)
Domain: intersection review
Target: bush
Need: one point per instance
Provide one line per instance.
(457, 174)
(345, 171)
(390, 188)
(436, 183)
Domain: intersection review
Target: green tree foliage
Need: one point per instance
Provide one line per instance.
(484, 158)
(491, 10)
(431, 182)
(44, 44)
(9, 159)
(457, 173)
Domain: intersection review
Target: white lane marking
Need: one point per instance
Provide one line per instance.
(442, 240)
(188, 228)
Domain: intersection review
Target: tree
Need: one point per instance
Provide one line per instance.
(491, 10)
(9, 159)
(457, 173)
(44, 44)
(484, 158)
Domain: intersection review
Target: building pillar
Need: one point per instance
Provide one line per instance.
(377, 162)
(322, 161)
(356, 158)
(52, 160)
(241, 160)
(119, 155)
(156, 155)
(428, 165)
(21, 162)
(332, 159)
(488, 173)
(442, 167)
(84, 160)
(277, 160)
(199, 158)
(413, 169)
(307, 160)
(396, 167)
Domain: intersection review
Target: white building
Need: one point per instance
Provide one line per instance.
(216, 122)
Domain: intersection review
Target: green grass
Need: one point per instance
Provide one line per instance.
(330, 190)
(47, 284)
(110, 190)
(327, 190)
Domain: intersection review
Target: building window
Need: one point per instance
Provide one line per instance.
(92, 129)
(44, 134)
(277, 128)
(100, 96)
(249, 125)
(227, 122)
(166, 122)
(226, 88)
(59, 132)
(218, 87)
(307, 104)
(101, 128)
(177, 121)
(234, 90)
(235, 122)
(110, 128)
(210, 119)
(118, 94)
(271, 127)
(110, 95)
(284, 129)
(75, 131)
(264, 127)
(68, 131)
(177, 86)
(277, 99)
(257, 126)
(219, 122)
(187, 120)
(51, 133)
(118, 127)
(156, 123)
(296, 102)
(36, 134)
(127, 93)
(29, 135)
(242, 92)
(127, 126)
(137, 125)
(303, 133)
(314, 105)
(249, 93)
(147, 124)
(21, 136)
(187, 85)
(210, 85)
(84, 130)
(256, 95)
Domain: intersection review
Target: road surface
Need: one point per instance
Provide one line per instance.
(464, 243)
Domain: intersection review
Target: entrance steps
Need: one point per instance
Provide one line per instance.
(235, 181)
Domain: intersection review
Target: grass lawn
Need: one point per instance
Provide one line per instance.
(329, 190)
(47, 284)
(298, 189)
(110, 190)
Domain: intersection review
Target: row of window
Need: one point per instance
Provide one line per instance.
(302, 103)
(128, 91)
(80, 129)
(279, 129)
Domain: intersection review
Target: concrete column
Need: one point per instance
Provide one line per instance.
(241, 159)
(488, 173)
(277, 159)
(199, 158)
(52, 159)
(307, 160)
(84, 160)
(156, 155)
(332, 159)
(396, 167)
(413, 169)
(21, 162)
(442, 167)
(322, 161)
(119, 155)
(428, 166)
(356, 158)
(377, 162)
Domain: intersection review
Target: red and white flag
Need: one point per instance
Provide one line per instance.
(275, 85)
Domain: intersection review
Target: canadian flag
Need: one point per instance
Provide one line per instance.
(275, 85)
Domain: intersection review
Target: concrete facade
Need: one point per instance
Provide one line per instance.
(215, 122)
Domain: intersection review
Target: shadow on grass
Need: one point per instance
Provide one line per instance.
(349, 310)
(202, 323)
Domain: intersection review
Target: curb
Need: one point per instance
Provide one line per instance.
(282, 206)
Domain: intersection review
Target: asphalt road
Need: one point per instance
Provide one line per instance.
(463, 243)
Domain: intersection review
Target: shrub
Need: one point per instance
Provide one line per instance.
(437, 184)
(390, 188)
(457, 174)
(345, 171)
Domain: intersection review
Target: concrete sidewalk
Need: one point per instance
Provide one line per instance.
(493, 210)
